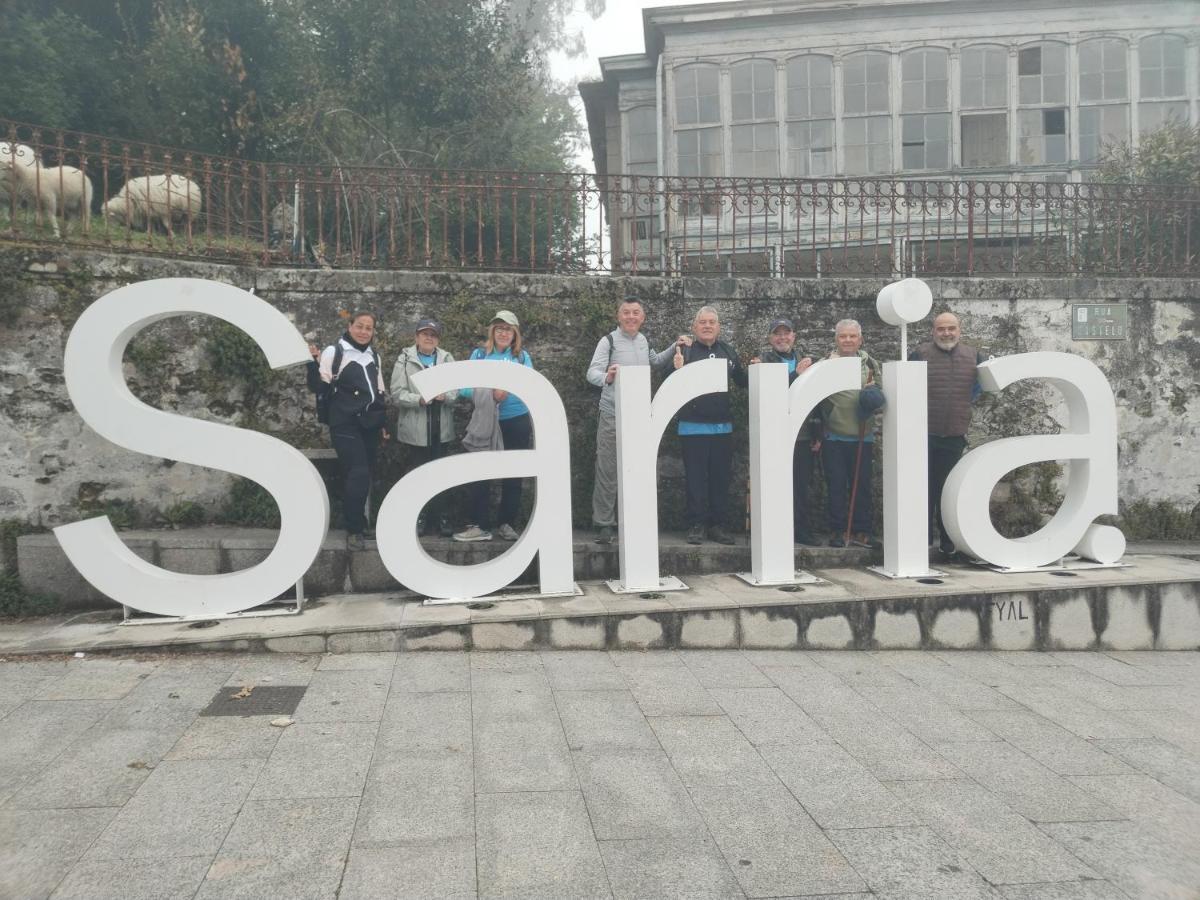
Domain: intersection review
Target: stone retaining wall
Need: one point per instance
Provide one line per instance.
(54, 469)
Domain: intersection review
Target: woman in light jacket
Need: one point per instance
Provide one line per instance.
(426, 428)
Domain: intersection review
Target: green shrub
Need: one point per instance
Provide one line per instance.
(186, 513)
(249, 504)
(16, 600)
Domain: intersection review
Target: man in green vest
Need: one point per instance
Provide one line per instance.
(953, 385)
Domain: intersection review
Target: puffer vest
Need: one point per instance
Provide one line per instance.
(951, 379)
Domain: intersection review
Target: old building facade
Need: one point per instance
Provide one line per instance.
(1019, 90)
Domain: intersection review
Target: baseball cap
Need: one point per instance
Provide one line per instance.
(507, 318)
(784, 323)
(429, 325)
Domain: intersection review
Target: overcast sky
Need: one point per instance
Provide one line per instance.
(618, 31)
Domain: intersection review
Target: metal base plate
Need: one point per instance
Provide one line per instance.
(256, 613)
(880, 570)
(668, 583)
(798, 577)
(518, 594)
(1067, 564)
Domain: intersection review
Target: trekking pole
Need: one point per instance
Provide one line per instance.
(862, 431)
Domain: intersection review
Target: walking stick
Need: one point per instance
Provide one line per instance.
(862, 431)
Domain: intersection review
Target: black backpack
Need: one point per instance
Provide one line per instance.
(612, 346)
(326, 390)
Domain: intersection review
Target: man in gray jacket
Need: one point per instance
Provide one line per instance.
(623, 346)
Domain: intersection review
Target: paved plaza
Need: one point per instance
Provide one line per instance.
(592, 774)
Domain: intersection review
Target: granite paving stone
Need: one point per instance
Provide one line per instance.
(1147, 801)
(431, 672)
(184, 808)
(345, 696)
(227, 737)
(537, 844)
(39, 846)
(519, 742)
(1049, 743)
(435, 721)
(283, 848)
(1001, 845)
(444, 869)
(595, 720)
(1025, 785)
(766, 715)
(101, 680)
(1140, 863)
(910, 862)
(668, 867)
(417, 797)
(1162, 761)
(835, 788)
(669, 691)
(581, 670)
(37, 731)
(133, 879)
(104, 767)
(319, 759)
(635, 794)
(1064, 890)
(721, 669)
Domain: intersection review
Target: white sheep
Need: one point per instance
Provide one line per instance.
(74, 190)
(22, 177)
(158, 198)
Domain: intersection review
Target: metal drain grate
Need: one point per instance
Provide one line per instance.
(264, 700)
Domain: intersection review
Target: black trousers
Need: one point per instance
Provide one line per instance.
(838, 459)
(707, 469)
(943, 456)
(802, 473)
(415, 456)
(518, 435)
(355, 449)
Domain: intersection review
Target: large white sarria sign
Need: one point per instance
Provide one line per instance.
(96, 383)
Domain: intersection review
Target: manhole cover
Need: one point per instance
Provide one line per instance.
(264, 700)
(652, 595)
(481, 606)
(791, 588)
(930, 581)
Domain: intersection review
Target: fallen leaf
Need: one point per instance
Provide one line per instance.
(283, 723)
(138, 764)
(243, 693)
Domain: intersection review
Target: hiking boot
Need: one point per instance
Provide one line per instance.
(720, 535)
(507, 533)
(837, 540)
(473, 533)
(356, 542)
(695, 534)
(605, 535)
(862, 539)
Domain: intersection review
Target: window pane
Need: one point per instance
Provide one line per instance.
(810, 87)
(1035, 145)
(1029, 61)
(985, 140)
(865, 83)
(1100, 126)
(984, 77)
(753, 92)
(1153, 116)
(642, 134)
(696, 98)
(1102, 70)
(699, 152)
(868, 145)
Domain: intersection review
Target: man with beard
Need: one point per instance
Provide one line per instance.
(953, 386)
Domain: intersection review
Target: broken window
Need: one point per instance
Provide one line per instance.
(1042, 74)
(985, 140)
(1042, 136)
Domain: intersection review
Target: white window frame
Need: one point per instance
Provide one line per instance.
(871, 116)
(1147, 100)
(1113, 97)
(761, 125)
(818, 162)
(1041, 108)
(924, 110)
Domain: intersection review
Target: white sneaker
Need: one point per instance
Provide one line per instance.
(507, 532)
(473, 533)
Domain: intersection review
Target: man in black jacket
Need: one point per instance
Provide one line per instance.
(706, 432)
(782, 349)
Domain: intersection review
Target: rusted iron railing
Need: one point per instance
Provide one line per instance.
(167, 201)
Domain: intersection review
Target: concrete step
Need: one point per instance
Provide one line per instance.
(44, 567)
(1152, 605)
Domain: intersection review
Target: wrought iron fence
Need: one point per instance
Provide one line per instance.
(91, 191)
